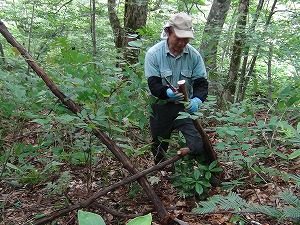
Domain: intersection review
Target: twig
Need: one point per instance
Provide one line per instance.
(116, 213)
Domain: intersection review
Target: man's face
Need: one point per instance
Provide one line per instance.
(176, 44)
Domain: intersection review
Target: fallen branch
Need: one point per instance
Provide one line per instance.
(164, 216)
(89, 201)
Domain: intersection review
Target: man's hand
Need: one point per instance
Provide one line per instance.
(175, 96)
(194, 105)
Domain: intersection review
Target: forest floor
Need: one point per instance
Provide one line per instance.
(22, 204)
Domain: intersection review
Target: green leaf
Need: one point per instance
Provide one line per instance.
(41, 121)
(213, 165)
(216, 170)
(66, 118)
(196, 174)
(89, 218)
(205, 183)
(295, 154)
(199, 188)
(141, 220)
(208, 175)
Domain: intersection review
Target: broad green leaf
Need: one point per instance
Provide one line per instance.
(199, 188)
(213, 165)
(141, 220)
(66, 118)
(205, 183)
(208, 175)
(196, 174)
(89, 218)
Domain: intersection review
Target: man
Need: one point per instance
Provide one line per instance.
(167, 62)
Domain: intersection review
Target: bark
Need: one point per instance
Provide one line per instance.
(135, 17)
(104, 138)
(212, 33)
(95, 196)
(30, 32)
(241, 84)
(2, 56)
(93, 26)
(237, 48)
(270, 56)
(118, 31)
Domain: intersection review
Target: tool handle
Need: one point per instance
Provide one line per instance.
(182, 89)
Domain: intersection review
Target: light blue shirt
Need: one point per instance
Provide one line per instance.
(189, 65)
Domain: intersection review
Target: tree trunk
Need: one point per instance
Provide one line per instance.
(2, 56)
(135, 17)
(30, 33)
(270, 56)
(93, 26)
(118, 30)
(241, 84)
(238, 45)
(254, 57)
(212, 32)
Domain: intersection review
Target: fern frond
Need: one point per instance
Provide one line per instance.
(205, 207)
(264, 209)
(232, 201)
(290, 198)
(292, 213)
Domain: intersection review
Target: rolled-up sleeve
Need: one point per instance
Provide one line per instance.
(151, 65)
(199, 70)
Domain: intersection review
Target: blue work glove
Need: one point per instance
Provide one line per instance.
(194, 105)
(175, 96)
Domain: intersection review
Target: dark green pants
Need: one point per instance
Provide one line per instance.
(162, 123)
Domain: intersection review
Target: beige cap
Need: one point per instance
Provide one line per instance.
(182, 24)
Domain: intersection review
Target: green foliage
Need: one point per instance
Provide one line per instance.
(141, 220)
(89, 218)
(61, 185)
(235, 204)
(192, 178)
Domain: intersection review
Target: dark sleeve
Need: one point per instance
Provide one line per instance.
(157, 88)
(200, 88)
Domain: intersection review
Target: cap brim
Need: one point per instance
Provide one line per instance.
(184, 33)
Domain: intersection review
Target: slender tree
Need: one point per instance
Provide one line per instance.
(270, 56)
(212, 32)
(93, 25)
(239, 41)
(241, 83)
(256, 52)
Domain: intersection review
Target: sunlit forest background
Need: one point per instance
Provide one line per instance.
(52, 157)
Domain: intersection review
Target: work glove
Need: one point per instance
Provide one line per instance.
(194, 105)
(175, 96)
